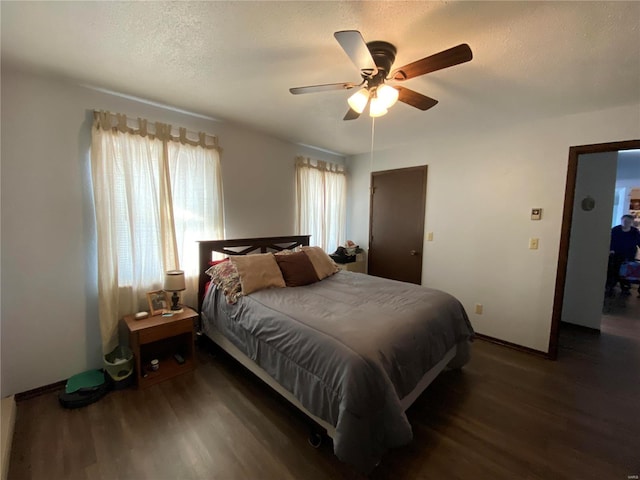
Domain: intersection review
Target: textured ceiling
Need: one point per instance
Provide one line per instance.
(236, 60)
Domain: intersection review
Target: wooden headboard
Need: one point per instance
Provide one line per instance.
(242, 246)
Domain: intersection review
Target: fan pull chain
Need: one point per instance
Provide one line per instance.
(373, 134)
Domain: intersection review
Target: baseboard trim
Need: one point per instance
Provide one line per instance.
(8, 424)
(36, 392)
(514, 346)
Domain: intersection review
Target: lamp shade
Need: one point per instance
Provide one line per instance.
(174, 281)
(387, 95)
(358, 101)
(377, 108)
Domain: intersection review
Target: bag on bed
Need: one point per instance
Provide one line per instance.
(342, 256)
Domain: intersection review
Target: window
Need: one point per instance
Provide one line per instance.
(321, 191)
(155, 195)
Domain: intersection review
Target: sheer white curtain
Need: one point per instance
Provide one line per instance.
(154, 196)
(321, 199)
(196, 186)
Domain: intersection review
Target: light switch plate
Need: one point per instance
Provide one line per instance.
(536, 213)
(533, 243)
(430, 237)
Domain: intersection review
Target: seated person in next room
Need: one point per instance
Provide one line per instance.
(625, 239)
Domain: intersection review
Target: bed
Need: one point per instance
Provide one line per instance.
(352, 351)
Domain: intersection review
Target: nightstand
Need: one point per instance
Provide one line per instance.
(359, 266)
(161, 338)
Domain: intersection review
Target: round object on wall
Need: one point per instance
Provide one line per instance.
(588, 203)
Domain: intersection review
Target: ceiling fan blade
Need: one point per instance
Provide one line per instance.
(322, 88)
(415, 99)
(356, 48)
(351, 115)
(446, 58)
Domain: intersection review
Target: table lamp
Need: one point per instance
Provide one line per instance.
(174, 282)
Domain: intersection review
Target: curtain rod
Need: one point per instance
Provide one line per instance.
(320, 164)
(119, 121)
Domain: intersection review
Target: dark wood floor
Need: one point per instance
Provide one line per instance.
(507, 415)
(617, 313)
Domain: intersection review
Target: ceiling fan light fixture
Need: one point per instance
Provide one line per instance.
(374, 60)
(358, 101)
(377, 108)
(387, 95)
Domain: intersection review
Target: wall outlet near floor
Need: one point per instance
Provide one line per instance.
(533, 243)
(478, 308)
(430, 237)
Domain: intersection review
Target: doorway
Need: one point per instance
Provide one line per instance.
(568, 214)
(396, 223)
(621, 310)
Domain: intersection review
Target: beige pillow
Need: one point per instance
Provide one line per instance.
(258, 272)
(322, 263)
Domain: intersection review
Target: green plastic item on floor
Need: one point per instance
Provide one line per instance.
(88, 379)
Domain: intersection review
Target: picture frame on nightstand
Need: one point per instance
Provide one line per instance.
(158, 302)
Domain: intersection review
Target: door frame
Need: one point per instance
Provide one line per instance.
(421, 168)
(565, 233)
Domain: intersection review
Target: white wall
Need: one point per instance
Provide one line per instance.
(481, 188)
(49, 292)
(630, 184)
(627, 179)
(589, 242)
(628, 167)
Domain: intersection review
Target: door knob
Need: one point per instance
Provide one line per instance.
(413, 253)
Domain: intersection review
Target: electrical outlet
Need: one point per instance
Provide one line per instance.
(533, 243)
(430, 237)
(478, 309)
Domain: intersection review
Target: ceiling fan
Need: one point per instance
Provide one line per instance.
(374, 60)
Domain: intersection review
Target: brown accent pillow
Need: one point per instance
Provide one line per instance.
(288, 251)
(297, 269)
(322, 263)
(258, 272)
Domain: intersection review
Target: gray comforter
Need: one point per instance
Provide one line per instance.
(349, 348)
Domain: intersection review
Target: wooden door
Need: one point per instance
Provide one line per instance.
(396, 223)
